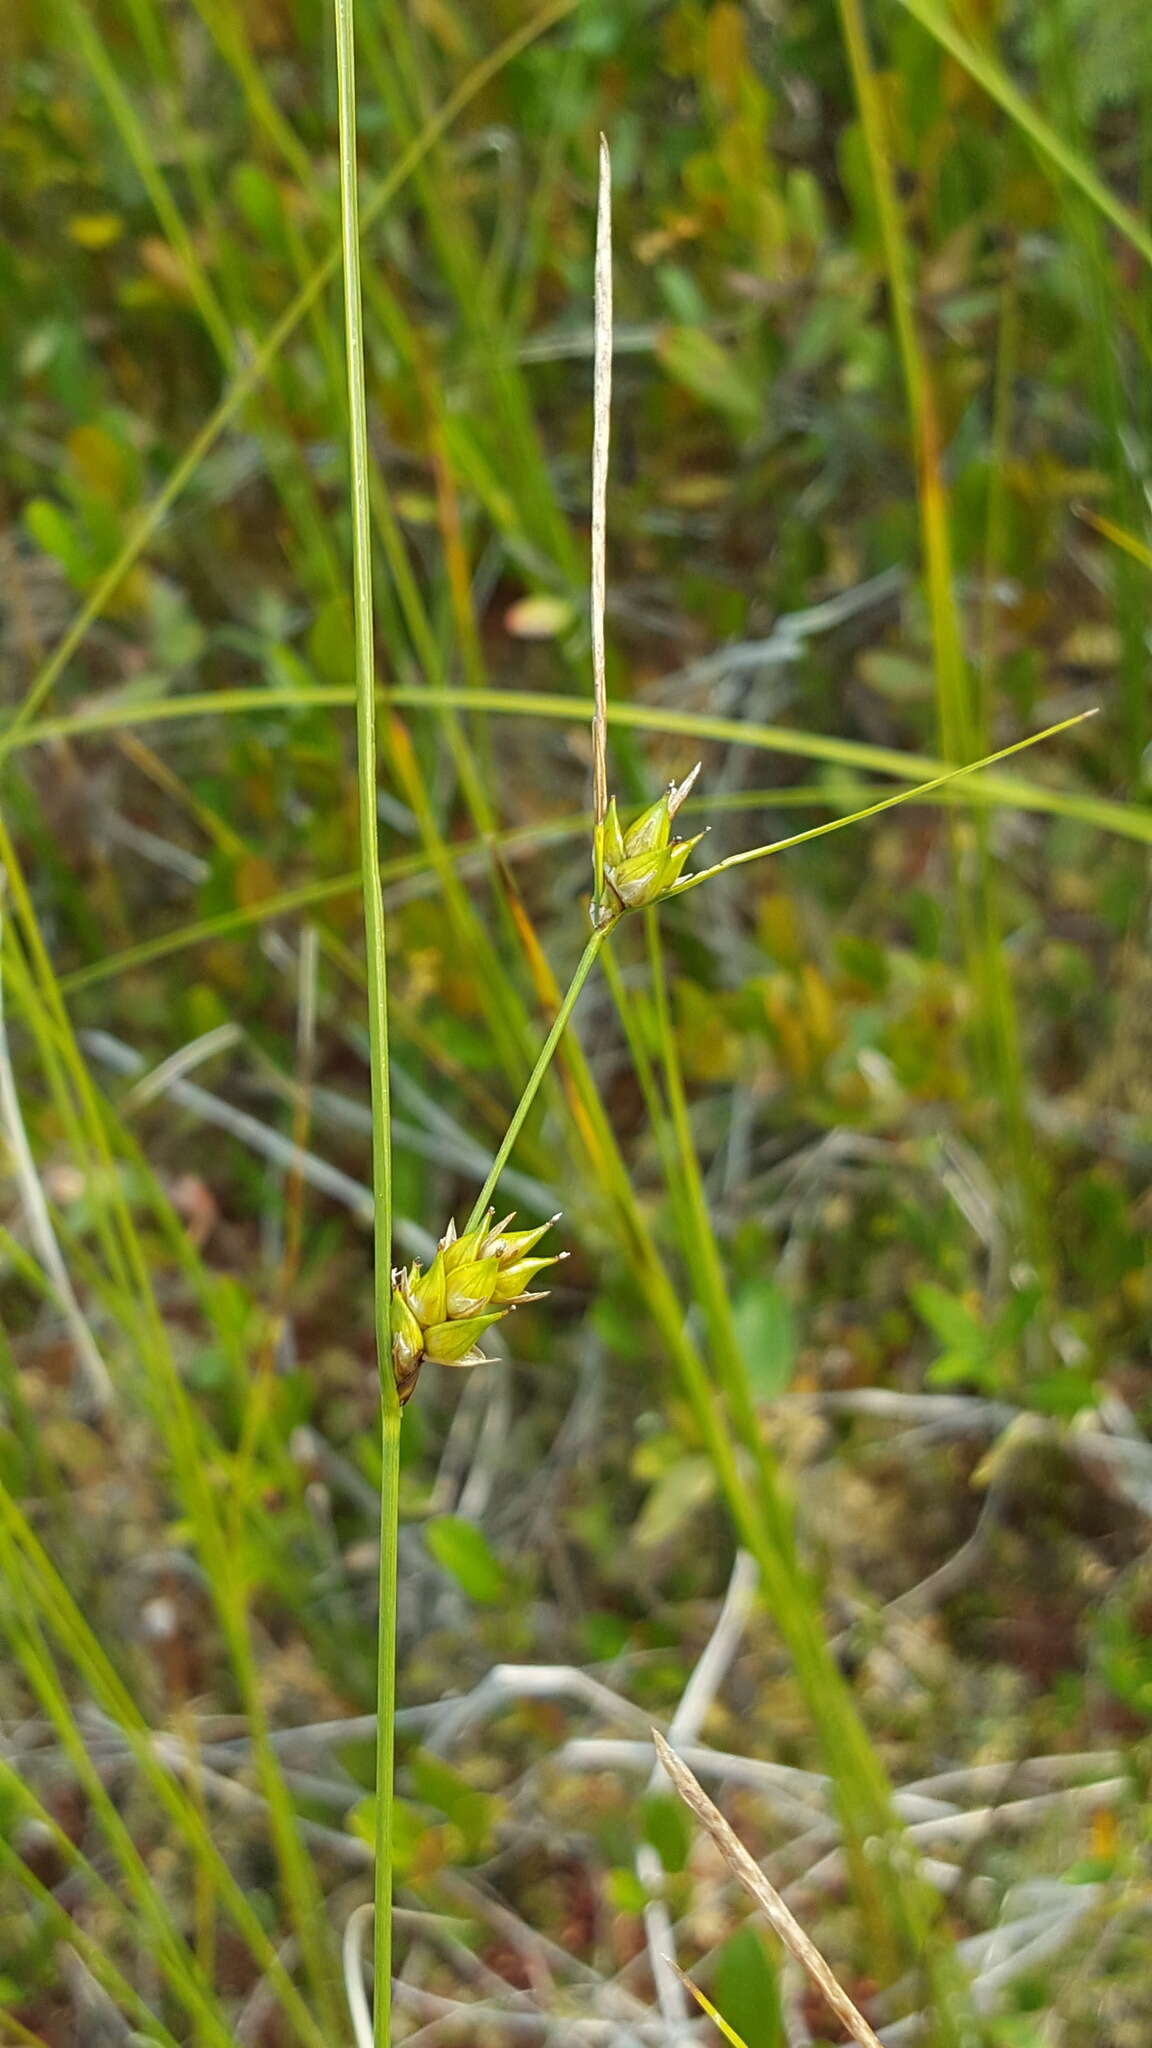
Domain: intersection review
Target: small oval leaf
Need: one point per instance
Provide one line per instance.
(464, 1552)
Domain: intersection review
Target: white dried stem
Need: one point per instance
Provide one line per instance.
(508, 1683)
(601, 430)
(256, 2015)
(353, 1957)
(90, 1365)
(185, 1060)
(261, 1139)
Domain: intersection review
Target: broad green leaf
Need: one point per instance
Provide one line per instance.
(1016, 1315)
(948, 1317)
(962, 1368)
(668, 1827)
(258, 199)
(55, 534)
(747, 1989)
(707, 2006)
(625, 1892)
(408, 1828)
(102, 466)
(766, 1328)
(463, 1551)
(473, 1812)
(695, 360)
(676, 1496)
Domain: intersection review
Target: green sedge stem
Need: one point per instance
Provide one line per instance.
(885, 803)
(377, 962)
(544, 1061)
(390, 1420)
(588, 960)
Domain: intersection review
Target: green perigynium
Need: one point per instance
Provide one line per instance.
(643, 863)
(439, 1315)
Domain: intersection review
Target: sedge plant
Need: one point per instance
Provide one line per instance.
(423, 1316)
(439, 1315)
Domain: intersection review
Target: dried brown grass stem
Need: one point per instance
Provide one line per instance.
(748, 1871)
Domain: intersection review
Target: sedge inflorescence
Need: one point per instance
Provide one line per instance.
(642, 863)
(440, 1314)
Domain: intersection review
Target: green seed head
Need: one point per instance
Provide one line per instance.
(407, 1345)
(455, 1343)
(440, 1314)
(642, 864)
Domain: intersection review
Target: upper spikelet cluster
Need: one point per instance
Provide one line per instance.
(644, 862)
(473, 1280)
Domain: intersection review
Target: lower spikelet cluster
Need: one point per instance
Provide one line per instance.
(473, 1280)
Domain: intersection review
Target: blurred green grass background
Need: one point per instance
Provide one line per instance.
(852, 1153)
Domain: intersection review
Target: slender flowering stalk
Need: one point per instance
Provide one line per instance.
(601, 431)
(644, 864)
(440, 1315)
(676, 885)
(376, 949)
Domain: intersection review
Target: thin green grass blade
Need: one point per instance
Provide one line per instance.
(960, 707)
(376, 944)
(263, 355)
(68, 1926)
(706, 2005)
(763, 1523)
(175, 1959)
(29, 1564)
(1126, 820)
(524, 840)
(901, 1916)
(1050, 146)
(1138, 549)
(887, 803)
(138, 1314)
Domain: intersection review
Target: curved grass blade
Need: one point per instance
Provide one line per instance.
(1127, 821)
(1047, 141)
(153, 515)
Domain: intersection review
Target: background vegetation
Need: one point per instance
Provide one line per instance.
(852, 1147)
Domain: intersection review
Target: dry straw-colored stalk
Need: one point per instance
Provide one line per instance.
(601, 434)
(743, 1866)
